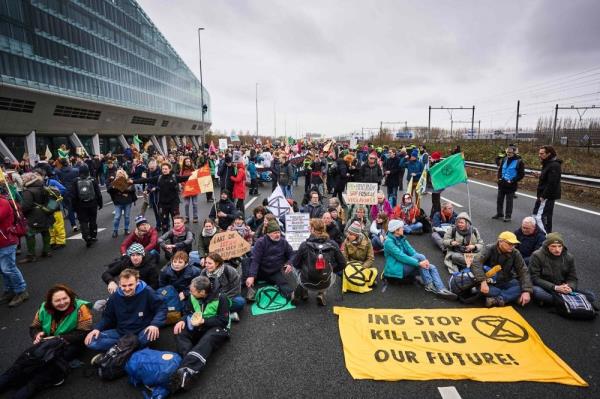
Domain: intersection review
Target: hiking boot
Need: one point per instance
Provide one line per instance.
(95, 362)
(126, 232)
(300, 293)
(59, 383)
(75, 228)
(492, 301)
(115, 234)
(497, 217)
(181, 379)
(507, 219)
(321, 301)
(444, 293)
(250, 294)
(6, 297)
(18, 299)
(29, 259)
(430, 287)
(234, 316)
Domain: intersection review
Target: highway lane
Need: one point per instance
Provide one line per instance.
(298, 353)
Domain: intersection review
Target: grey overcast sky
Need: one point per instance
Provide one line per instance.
(336, 66)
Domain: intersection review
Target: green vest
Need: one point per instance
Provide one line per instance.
(211, 308)
(67, 324)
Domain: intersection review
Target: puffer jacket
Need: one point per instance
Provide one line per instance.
(398, 252)
(34, 195)
(548, 270)
(227, 283)
(370, 174)
(361, 251)
(549, 182)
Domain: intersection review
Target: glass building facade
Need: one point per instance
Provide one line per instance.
(107, 51)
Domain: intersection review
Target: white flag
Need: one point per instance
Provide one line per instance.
(278, 204)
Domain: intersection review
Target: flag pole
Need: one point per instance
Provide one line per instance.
(469, 200)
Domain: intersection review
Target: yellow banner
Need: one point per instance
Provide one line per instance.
(426, 344)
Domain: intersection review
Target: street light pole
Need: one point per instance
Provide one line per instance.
(257, 111)
(201, 86)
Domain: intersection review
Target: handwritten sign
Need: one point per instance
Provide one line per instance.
(229, 244)
(222, 144)
(296, 228)
(361, 193)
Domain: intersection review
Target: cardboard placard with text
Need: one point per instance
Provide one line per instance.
(229, 244)
(361, 193)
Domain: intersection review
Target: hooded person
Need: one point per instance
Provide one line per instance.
(223, 211)
(87, 200)
(357, 246)
(552, 270)
(461, 239)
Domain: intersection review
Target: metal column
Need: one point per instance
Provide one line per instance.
(123, 142)
(96, 144)
(5, 151)
(31, 148)
(163, 139)
(77, 143)
(158, 147)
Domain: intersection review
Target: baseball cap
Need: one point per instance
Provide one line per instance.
(509, 237)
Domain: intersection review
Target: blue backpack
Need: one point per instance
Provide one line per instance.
(151, 369)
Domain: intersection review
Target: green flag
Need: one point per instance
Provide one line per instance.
(291, 141)
(448, 172)
(137, 140)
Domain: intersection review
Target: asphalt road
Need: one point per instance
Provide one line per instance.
(298, 353)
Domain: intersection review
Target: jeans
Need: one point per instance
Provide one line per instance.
(11, 275)
(186, 205)
(377, 243)
(509, 291)
(392, 193)
(68, 205)
(438, 240)
(541, 295)
(237, 303)
(413, 228)
(287, 190)
(108, 338)
(126, 209)
(429, 275)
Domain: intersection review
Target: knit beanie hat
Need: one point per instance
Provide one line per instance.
(140, 219)
(136, 248)
(414, 153)
(273, 226)
(394, 225)
(554, 238)
(355, 228)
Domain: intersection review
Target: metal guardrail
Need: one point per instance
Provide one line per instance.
(575, 180)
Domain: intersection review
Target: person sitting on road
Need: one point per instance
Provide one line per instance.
(203, 329)
(255, 221)
(382, 205)
(143, 234)
(359, 215)
(459, 240)
(357, 246)
(134, 308)
(552, 270)
(223, 211)
(137, 259)
(507, 288)
(441, 222)
(225, 279)
(240, 226)
(308, 259)
(262, 231)
(270, 254)
(63, 320)
(332, 229)
(314, 208)
(402, 261)
(335, 216)
(378, 231)
(334, 202)
(408, 212)
(530, 237)
(178, 273)
(209, 229)
(179, 238)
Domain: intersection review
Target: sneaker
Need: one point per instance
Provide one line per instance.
(95, 362)
(59, 383)
(492, 301)
(507, 219)
(321, 301)
(115, 234)
(6, 297)
(187, 220)
(444, 293)
(430, 287)
(181, 379)
(497, 217)
(75, 228)
(29, 259)
(250, 294)
(195, 220)
(126, 232)
(18, 299)
(234, 316)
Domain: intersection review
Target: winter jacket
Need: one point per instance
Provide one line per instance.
(393, 166)
(148, 240)
(167, 187)
(276, 170)
(529, 244)
(334, 233)
(512, 264)
(182, 242)
(67, 175)
(438, 219)
(370, 174)
(252, 172)
(415, 167)
(315, 211)
(227, 283)
(519, 166)
(413, 214)
(270, 256)
(219, 319)
(360, 250)
(549, 182)
(122, 197)
(385, 207)
(179, 280)
(204, 244)
(6, 222)
(286, 174)
(225, 172)
(341, 176)
(227, 207)
(147, 269)
(548, 270)
(239, 183)
(96, 202)
(398, 252)
(34, 196)
(130, 315)
(337, 261)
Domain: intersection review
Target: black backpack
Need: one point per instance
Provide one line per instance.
(317, 270)
(85, 190)
(574, 306)
(111, 365)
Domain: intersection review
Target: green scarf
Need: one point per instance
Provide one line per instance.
(67, 324)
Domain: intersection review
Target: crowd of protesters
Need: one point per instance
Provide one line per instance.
(160, 260)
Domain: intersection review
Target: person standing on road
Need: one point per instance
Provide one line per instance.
(87, 201)
(548, 189)
(510, 171)
(239, 187)
(67, 176)
(393, 179)
(187, 168)
(35, 197)
(123, 196)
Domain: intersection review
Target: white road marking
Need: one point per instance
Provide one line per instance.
(250, 203)
(80, 237)
(452, 202)
(449, 393)
(108, 203)
(533, 197)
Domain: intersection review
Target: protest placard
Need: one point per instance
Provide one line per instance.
(361, 193)
(222, 144)
(296, 228)
(229, 244)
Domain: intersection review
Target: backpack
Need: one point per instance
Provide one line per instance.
(152, 369)
(37, 358)
(52, 204)
(574, 306)
(357, 278)
(85, 190)
(174, 306)
(462, 283)
(20, 226)
(111, 365)
(172, 181)
(317, 270)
